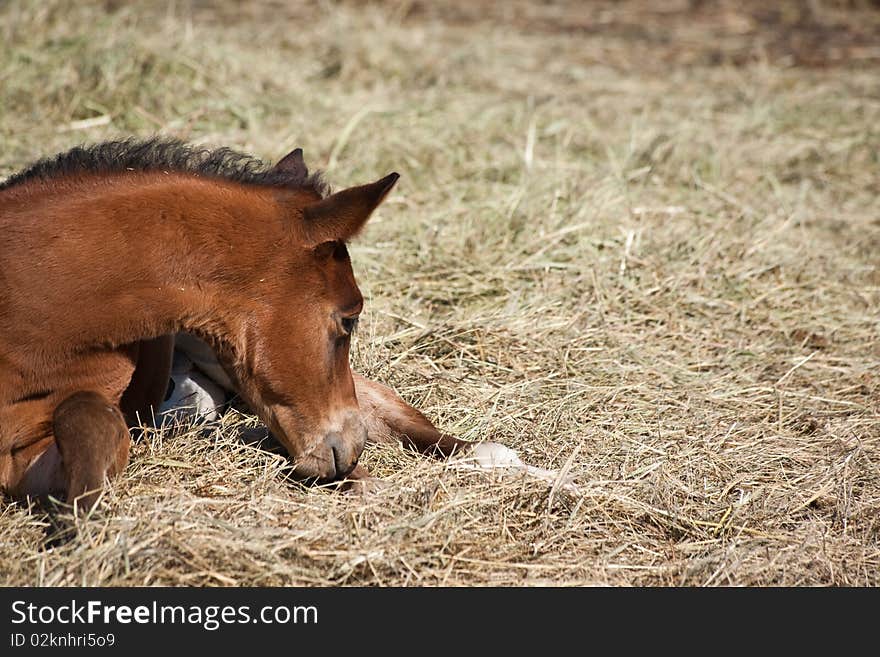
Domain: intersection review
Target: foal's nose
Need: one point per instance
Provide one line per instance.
(338, 453)
(344, 455)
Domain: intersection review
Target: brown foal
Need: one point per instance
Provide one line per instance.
(110, 250)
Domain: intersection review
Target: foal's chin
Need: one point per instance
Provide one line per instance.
(330, 453)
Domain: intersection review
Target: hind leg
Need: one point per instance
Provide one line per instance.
(93, 440)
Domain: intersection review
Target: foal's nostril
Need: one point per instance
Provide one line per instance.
(344, 460)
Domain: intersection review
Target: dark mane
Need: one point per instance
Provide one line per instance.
(163, 154)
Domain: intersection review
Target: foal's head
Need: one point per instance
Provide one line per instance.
(292, 365)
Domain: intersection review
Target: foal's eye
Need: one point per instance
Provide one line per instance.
(349, 324)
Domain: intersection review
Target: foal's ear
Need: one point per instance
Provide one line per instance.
(293, 163)
(343, 214)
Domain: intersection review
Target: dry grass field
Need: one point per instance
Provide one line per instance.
(637, 243)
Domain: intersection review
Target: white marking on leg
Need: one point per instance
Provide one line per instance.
(494, 457)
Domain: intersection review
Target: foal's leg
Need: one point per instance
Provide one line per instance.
(93, 440)
(149, 382)
(389, 418)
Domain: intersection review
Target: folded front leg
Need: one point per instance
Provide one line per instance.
(93, 440)
(390, 419)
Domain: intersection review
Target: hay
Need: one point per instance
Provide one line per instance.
(644, 238)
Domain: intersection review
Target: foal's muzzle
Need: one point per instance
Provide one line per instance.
(337, 453)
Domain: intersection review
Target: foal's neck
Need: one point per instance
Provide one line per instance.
(140, 256)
